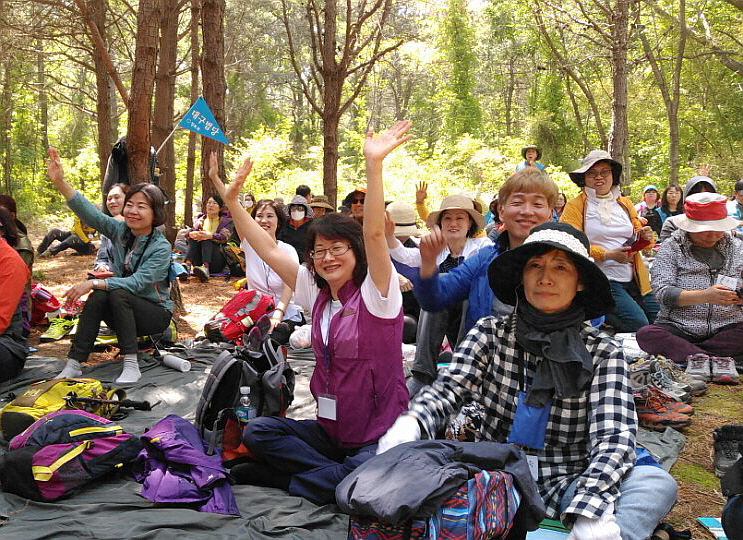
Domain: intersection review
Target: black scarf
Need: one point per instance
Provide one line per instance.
(566, 367)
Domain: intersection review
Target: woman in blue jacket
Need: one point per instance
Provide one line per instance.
(136, 301)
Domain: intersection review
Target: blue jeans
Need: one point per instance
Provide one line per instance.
(646, 495)
(732, 518)
(631, 311)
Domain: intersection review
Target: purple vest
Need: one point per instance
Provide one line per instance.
(361, 367)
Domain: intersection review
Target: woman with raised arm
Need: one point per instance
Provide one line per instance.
(136, 300)
(358, 382)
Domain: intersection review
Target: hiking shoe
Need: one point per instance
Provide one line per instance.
(639, 374)
(668, 402)
(45, 254)
(201, 273)
(697, 386)
(726, 447)
(698, 365)
(723, 370)
(59, 327)
(674, 390)
(653, 414)
(73, 330)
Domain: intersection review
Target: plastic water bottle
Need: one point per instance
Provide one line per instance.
(245, 410)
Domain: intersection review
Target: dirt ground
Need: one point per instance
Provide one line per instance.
(699, 493)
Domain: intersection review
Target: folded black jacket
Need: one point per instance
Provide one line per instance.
(415, 478)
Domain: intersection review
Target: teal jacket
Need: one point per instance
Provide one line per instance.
(152, 260)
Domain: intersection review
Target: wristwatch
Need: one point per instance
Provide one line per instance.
(95, 283)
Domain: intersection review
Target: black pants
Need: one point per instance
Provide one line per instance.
(432, 327)
(10, 364)
(206, 252)
(124, 312)
(66, 240)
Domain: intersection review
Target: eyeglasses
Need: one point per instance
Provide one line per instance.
(357, 201)
(598, 174)
(335, 251)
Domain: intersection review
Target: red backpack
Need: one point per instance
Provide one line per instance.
(237, 316)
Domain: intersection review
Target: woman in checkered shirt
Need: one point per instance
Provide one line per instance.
(556, 387)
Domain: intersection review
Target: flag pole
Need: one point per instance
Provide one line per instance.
(166, 139)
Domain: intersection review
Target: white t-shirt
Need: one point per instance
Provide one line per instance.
(306, 291)
(412, 256)
(611, 235)
(262, 278)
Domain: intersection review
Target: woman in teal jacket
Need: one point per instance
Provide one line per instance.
(136, 301)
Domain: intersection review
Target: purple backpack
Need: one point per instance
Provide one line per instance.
(61, 452)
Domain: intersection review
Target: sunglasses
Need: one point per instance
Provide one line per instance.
(357, 201)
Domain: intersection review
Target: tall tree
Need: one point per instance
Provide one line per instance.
(215, 86)
(138, 141)
(164, 105)
(343, 43)
(193, 32)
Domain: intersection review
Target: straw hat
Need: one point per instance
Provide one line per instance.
(705, 212)
(321, 201)
(457, 202)
(593, 157)
(403, 216)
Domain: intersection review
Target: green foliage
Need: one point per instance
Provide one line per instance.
(462, 110)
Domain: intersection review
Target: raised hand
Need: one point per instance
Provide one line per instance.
(232, 190)
(377, 148)
(56, 173)
(421, 192)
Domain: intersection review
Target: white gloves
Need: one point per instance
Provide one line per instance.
(602, 528)
(405, 429)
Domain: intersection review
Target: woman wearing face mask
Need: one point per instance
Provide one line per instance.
(114, 206)
(136, 300)
(358, 381)
(249, 202)
(211, 230)
(294, 232)
(259, 275)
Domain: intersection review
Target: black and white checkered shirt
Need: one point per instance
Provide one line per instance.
(590, 437)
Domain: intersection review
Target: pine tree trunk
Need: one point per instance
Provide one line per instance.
(215, 87)
(143, 80)
(164, 107)
(619, 133)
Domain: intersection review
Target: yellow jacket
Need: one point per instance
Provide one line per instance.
(81, 230)
(574, 214)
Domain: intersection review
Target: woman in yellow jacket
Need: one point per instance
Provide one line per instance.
(610, 222)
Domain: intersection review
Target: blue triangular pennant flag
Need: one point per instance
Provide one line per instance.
(201, 120)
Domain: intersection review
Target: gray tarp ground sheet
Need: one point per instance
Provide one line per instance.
(113, 508)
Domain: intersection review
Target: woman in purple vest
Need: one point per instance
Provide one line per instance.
(350, 286)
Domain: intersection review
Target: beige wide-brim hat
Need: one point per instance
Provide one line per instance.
(457, 202)
(593, 157)
(403, 216)
(321, 201)
(705, 212)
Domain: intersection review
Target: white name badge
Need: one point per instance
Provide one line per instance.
(533, 463)
(326, 407)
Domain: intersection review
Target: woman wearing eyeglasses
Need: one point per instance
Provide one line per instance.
(610, 222)
(358, 382)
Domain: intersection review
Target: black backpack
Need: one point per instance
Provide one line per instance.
(264, 368)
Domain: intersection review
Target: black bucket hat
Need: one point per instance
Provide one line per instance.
(506, 270)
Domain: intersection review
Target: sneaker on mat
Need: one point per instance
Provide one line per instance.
(697, 386)
(674, 390)
(639, 374)
(699, 366)
(59, 327)
(723, 370)
(653, 414)
(201, 273)
(73, 330)
(727, 440)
